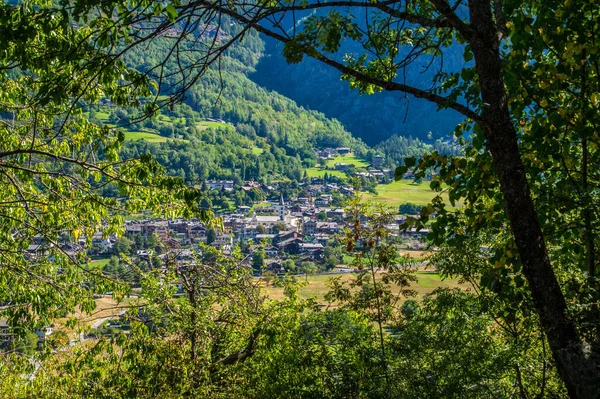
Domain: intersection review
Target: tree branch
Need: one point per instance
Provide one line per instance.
(386, 85)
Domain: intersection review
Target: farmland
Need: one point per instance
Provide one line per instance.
(316, 286)
(149, 137)
(349, 159)
(403, 191)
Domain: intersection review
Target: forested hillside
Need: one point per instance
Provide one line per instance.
(266, 134)
(371, 118)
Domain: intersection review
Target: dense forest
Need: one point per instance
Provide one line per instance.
(373, 118)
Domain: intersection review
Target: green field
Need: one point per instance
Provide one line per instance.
(403, 191)
(349, 159)
(103, 116)
(98, 263)
(149, 137)
(316, 286)
(257, 150)
(206, 124)
(317, 172)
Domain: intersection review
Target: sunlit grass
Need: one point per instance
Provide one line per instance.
(316, 286)
(150, 137)
(349, 159)
(404, 191)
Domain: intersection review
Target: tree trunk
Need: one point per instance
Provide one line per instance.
(579, 372)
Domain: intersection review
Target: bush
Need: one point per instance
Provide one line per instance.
(409, 209)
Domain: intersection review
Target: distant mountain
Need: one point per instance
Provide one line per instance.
(371, 118)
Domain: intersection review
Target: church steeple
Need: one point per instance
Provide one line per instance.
(281, 207)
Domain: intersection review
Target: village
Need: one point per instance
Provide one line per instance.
(280, 236)
(303, 227)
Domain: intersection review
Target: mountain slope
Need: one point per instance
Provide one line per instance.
(371, 118)
(266, 135)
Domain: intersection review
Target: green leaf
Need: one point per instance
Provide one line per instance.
(400, 172)
(171, 13)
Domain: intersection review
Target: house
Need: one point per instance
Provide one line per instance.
(43, 334)
(265, 237)
(223, 241)
(308, 247)
(220, 185)
(198, 232)
(342, 166)
(101, 243)
(6, 334)
(36, 251)
(286, 235)
(333, 213)
(377, 174)
(271, 251)
(289, 246)
(323, 200)
(327, 228)
(243, 209)
(322, 239)
(274, 266)
(211, 119)
(347, 190)
(309, 228)
(311, 250)
(132, 229)
(180, 256)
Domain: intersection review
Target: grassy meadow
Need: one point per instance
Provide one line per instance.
(206, 125)
(330, 166)
(316, 286)
(349, 159)
(149, 137)
(318, 172)
(403, 191)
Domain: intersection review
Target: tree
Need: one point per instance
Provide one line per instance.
(122, 245)
(258, 260)
(55, 164)
(373, 253)
(289, 265)
(268, 277)
(513, 46)
(409, 209)
(307, 268)
(322, 216)
(278, 227)
(211, 236)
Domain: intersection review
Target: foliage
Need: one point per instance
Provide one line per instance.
(409, 209)
(54, 163)
(396, 148)
(452, 347)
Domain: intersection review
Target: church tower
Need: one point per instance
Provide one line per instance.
(281, 207)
